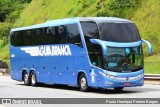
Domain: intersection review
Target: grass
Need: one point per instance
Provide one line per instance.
(147, 20)
(152, 64)
(42, 10)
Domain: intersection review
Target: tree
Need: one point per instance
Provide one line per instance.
(9, 11)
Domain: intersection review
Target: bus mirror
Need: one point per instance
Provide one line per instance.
(97, 41)
(149, 46)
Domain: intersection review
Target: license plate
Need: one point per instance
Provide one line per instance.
(127, 84)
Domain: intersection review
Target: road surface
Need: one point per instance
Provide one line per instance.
(13, 89)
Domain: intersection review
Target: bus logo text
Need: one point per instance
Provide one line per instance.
(63, 50)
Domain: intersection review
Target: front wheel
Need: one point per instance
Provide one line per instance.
(83, 83)
(33, 79)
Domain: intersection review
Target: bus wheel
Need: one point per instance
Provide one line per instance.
(83, 83)
(33, 79)
(118, 89)
(26, 79)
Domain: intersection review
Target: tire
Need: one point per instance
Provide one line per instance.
(118, 89)
(26, 79)
(83, 83)
(33, 79)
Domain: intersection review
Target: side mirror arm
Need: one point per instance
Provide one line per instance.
(97, 41)
(149, 46)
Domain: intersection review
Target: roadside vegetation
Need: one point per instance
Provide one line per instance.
(10, 11)
(145, 13)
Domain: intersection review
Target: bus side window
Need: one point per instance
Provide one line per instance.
(13, 39)
(20, 39)
(90, 30)
(27, 38)
(56, 35)
(34, 37)
(39, 34)
(49, 35)
(73, 35)
(62, 34)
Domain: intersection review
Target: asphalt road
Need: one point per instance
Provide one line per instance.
(13, 89)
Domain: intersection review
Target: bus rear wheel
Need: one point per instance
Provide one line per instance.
(83, 83)
(33, 79)
(26, 78)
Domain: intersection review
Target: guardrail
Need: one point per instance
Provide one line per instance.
(152, 76)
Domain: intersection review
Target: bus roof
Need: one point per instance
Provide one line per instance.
(74, 20)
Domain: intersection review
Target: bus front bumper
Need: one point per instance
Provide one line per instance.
(122, 81)
(117, 84)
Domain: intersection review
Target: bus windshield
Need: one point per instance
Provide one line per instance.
(119, 32)
(123, 59)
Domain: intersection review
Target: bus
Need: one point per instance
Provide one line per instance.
(88, 52)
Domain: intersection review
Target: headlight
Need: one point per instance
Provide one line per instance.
(141, 75)
(107, 76)
(121, 78)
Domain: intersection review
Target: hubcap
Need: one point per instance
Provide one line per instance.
(26, 78)
(33, 79)
(83, 83)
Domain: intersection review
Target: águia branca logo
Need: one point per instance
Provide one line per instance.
(63, 50)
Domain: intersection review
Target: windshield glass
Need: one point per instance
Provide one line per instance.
(123, 59)
(119, 32)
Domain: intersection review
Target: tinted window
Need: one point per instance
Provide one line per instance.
(73, 35)
(62, 34)
(48, 35)
(19, 38)
(13, 38)
(26, 38)
(90, 30)
(119, 32)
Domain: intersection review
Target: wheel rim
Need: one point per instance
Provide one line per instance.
(26, 78)
(83, 83)
(33, 79)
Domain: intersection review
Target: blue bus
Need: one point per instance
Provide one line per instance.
(91, 52)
